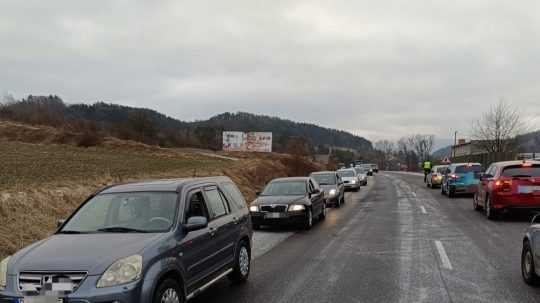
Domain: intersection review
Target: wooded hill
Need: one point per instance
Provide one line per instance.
(151, 127)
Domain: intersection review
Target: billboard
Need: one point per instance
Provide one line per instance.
(259, 142)
(251, 141)
(234, 141)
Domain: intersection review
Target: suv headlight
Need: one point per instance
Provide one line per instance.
(3, 272)
(254, 208)
(296, 207)
(332, 192)
(353, 181)
(121, 272)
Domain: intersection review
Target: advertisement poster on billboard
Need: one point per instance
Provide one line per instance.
(252, 141)
(234, 141)
(259, 142)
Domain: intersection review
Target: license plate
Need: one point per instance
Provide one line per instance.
(41, 299)
(272, 215)
(529, 189)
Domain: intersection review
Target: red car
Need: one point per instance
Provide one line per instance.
(509, 185)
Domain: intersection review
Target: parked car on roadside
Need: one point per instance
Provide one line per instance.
(435, 176)
(461, 178)
(368, 168)
(530, 254)
(509, 185)
(332, 185)
(362, 175)
(350, 178)
(148, 242)
(375, 168)
(295, 200)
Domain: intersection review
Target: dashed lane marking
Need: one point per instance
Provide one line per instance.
(442, 254)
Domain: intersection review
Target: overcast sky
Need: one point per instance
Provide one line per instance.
(380, 69)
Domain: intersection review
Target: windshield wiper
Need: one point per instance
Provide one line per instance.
(121, 229)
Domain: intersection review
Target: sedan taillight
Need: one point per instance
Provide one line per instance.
(504, 185)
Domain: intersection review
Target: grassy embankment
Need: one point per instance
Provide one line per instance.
(41, 182)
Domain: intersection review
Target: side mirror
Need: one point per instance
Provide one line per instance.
(60, 222)
(536, 219)
(196, 223)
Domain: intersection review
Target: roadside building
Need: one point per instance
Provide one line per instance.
(471, 148)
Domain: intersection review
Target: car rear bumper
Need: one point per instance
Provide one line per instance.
(285, 218)
(463, 188)
(513, 202)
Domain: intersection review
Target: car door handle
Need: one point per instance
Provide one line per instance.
(235, 220)
(212, 231)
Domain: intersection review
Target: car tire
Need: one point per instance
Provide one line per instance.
(242, 263)
(451, 194)
(489, 211)
(527, 265)
(169, 291)
(322, 215)
(308, 223)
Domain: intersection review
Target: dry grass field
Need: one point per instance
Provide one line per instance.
(41, 182)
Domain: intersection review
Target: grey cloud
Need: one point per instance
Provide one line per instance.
(388, 68)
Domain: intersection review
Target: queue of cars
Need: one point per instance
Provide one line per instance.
(503, 187)
(162, 241)
(297, 201)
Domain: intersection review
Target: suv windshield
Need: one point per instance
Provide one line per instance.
(521, 171)
(346, 173)
(285, 188)
(325, 179)
(125, 212)
(463, 169)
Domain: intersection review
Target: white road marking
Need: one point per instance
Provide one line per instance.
(414, 194)
(423, 209)
(442, 254)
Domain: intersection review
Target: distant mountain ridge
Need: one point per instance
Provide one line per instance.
(152, 127)
(283, 129)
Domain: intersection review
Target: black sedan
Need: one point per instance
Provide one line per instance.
(289, 201)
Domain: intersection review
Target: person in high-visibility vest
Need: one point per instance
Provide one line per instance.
(427, 169)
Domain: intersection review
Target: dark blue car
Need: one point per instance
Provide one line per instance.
(159, 241)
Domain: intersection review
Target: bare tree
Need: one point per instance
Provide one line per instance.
(422, 145)
(497, 129)
(384, 150)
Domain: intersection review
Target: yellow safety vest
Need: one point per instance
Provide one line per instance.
(427, 165)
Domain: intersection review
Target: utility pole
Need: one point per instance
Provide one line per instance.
(455, 144)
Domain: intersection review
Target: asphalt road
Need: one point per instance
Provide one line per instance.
(396, 241)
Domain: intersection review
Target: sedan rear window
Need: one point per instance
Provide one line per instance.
(284, 188)
(468, 169)
(521, 171)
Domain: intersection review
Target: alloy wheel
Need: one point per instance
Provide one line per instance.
(243, 261)
(170, 296)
